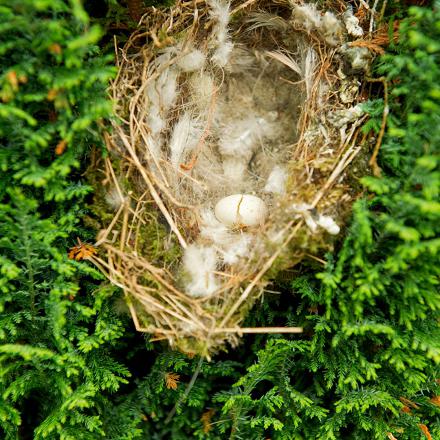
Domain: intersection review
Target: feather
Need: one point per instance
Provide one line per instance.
(306, 16)
(352, 23)
(199, 263)
(222, 54)
(267, 20)
(276, 182)
(184, 138)
(192, 61)
(219, 12)
(331, 29)
(308, 70)
(202, 87)
(162, 94)
(286, 60)
(234, 169)
(231, 246)
(115, 199)
(212, 229)
(237, 248)
(328, 224)
(242, 137)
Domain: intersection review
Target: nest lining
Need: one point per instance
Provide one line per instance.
(211, 107)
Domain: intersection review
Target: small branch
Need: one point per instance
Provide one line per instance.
(258, 330)
(185, 394)
(386, 110)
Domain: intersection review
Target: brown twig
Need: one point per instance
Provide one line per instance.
(386, 110)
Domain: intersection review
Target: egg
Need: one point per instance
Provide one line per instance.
(241, 209)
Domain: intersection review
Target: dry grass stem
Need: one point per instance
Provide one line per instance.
(210, 107)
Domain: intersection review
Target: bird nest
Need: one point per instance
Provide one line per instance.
(229, 160)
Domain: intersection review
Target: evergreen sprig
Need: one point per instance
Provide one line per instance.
(71, 365)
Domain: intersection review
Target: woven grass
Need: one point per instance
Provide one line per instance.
(157, 206)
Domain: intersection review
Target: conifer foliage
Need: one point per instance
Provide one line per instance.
(54, 368)
(369, 370)
(71, 365)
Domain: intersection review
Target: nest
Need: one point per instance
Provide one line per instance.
(257, 100)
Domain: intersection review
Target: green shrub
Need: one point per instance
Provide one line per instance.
(71, 365)
(55, 370)
(375, 344)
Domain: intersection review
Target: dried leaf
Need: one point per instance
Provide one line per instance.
(55, 48)
(13, 79)
(380, 39)
(172, 380)
(391, 436)
(425, 431)
(82, 251)
(60, 148)
(408, 403)
(373, 47)
(435, 400)
(52, 94)
(362, 14)
(206, 420)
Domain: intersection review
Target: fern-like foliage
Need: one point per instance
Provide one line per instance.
(55, 374)
(71, 365)
(369, 369)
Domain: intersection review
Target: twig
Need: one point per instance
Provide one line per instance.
(258, 330)
(373, 13)
(386, 110)
(187, 391)
(242, 6)
(189, 166)
(260, 274)
(153, 191)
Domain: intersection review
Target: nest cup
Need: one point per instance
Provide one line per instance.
(229, 160)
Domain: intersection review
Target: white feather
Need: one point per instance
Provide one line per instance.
(115, 199)
(232, 247)
(168, 83)
(155, 122)
(223, 53)
(154, 146)
(162, 94)
(186, 134)
(242, 137)
(267, 20)
(219, 12)
(310, 222)
(304, 210)
(308, 70)
(212, 229)
(276, 182)
(192, 61)
(202, 87)
(331, 29)
(286, 59)
(237, 248)
(352, 24)
(200, 262)
(309, 18)
(234, 169)
(306, 16)
(328, 224)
